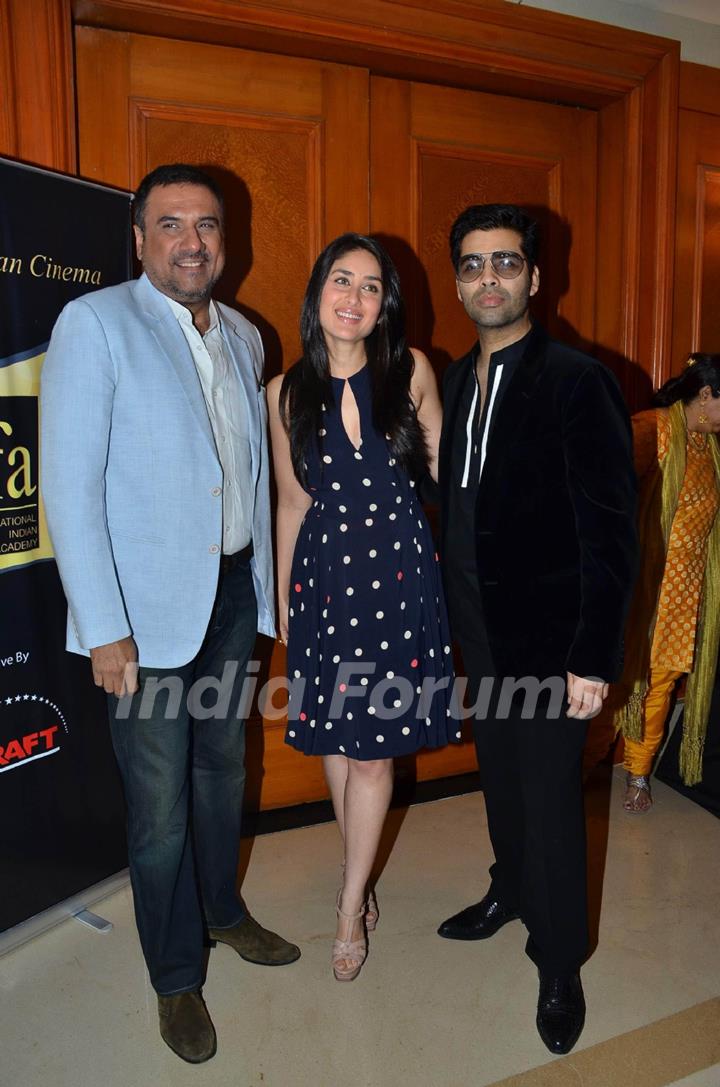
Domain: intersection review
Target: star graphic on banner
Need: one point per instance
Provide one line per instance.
(34, 698)
(25, 697)
(18, 697)
(8, 701)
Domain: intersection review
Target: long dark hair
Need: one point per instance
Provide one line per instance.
(307, 385)
(700, 370)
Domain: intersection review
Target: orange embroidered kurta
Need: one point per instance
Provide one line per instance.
(673, 645)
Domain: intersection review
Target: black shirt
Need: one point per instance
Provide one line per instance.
(475, 421)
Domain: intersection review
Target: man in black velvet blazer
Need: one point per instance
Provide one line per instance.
(539, 554)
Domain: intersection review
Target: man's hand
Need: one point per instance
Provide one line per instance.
(115, 666)
(585, 696)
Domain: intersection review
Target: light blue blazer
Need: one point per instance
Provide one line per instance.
(130, 475)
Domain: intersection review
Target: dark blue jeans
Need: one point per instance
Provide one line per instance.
(183, 771)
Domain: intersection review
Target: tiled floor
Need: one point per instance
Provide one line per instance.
(77, 1010)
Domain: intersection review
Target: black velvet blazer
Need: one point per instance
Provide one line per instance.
(555, 515)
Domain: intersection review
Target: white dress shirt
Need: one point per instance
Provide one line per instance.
(224, 400)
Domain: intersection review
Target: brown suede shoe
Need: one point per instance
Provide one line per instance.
(186, 1027)
(255, 943)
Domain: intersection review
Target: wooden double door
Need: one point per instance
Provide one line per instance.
(306, 150)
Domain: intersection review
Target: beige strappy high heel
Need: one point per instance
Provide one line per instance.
(372, 913)
(353, 952)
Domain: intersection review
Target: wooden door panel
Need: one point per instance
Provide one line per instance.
(435, 150)
(274, 129)
(288, 140)
(696, 318)
(459, 148)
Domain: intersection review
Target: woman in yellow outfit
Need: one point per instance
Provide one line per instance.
(674, 625)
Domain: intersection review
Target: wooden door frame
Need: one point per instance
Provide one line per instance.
(631, 79)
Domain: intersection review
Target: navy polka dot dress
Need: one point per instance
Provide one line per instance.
(369, 660)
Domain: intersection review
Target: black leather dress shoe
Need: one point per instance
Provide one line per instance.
(561, 1012)
(477, 922)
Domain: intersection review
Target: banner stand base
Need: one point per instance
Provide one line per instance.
(63, 911)
(93, 921)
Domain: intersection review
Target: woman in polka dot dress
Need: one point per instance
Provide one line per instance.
(674, 625)
(354, 425)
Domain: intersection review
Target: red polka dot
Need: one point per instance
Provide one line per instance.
(298, 587)
(342, 687)
(437, 557)
(327, 599)
(414, 662)
(303, 717)
(400, 575)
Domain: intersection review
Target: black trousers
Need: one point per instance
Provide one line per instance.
(531, 774)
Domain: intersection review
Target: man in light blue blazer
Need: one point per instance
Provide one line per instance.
(155, 482)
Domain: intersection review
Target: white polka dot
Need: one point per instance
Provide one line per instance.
(428, 721)
(312, 724)
(358, 455)
(383, 645)
(331, 630)
(406, 731)
(431, 652)
(379, 614)
(369, 521)
(310, 582)
(392, 517)
(402, 605)
(367, 482)
(349, 716)
(408, 634)
(336, 486)
(317, 680)
(343, 509)
(336, 659)
(322, 432)
(328, 724)
(396, 545)
(364, 682)
(399, 498)
(353, 622)
(372, 507)
(327, 459)
(307, 652)
(380, 739)
(324, 614)
(296, 674)
(349, 591)
(372, 553)
(447, 648)
(397, 703)
(291, 734)
(371, 710)
(346, 559)
(324, 538)
(376, 584)
(321, 698)
(341, 748)
(292, 611)
(458, 735)
(343, 528)
(390, 675)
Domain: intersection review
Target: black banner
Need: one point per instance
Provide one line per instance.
(61, 811)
